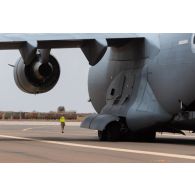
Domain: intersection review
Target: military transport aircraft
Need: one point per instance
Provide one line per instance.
(138, 83)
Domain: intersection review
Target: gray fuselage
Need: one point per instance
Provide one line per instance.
(145, 86)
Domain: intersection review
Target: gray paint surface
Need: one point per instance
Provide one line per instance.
(141, 78)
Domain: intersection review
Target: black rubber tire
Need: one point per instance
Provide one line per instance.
(102, 135)
(113, 131)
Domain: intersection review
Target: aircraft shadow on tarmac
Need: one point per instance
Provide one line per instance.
(174, 141)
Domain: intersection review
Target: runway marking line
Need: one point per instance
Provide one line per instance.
(27, 129)
(180, 156)
(30, 128)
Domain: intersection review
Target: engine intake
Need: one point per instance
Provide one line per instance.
(37, 77)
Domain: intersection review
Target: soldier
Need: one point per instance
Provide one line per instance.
(62, 121)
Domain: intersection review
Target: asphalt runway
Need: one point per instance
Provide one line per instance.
(31, 142)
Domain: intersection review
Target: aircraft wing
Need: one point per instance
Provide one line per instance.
(93, 46)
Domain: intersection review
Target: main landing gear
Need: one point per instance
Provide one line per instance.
(110, 133)
(113, 132)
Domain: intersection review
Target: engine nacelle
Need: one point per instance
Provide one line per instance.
(36, 77)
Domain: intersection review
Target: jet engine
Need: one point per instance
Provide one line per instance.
(36, 77)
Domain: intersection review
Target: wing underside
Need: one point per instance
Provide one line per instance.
(93, 46)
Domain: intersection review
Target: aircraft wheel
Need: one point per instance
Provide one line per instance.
(113, 131)
(102, 135)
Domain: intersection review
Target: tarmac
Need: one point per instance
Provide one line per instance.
(43, 142)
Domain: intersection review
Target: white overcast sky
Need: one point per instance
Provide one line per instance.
(71, 90)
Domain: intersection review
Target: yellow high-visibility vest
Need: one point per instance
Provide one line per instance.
(62, 119)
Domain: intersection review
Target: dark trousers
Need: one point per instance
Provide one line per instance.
(62, 125)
